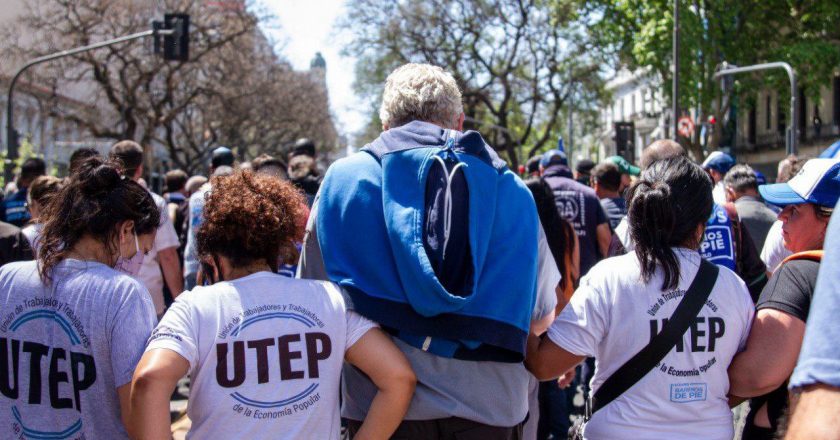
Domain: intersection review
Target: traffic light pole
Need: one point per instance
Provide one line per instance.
(12, 136)
(791, 138)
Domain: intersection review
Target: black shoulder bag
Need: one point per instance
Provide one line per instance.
(645, 360)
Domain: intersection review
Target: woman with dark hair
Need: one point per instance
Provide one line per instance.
(264, 352)
(623, 298)
(561, 238)
(42, 190)
(552, 403)
(74, 321)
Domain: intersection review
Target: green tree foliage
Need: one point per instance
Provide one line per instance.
(803, 33)
(519, 63)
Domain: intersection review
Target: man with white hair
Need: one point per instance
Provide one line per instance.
(458, 274)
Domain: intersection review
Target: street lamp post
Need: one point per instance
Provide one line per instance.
(12, 136)
(790, 138)
(675, 90)
(175, 29)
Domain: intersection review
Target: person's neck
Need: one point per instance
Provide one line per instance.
(231, 273)
(752, 194)
(90, 249)
(602, 194)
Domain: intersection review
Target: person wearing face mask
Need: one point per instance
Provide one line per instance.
(763, 370)
(269, 347)
(75, 321)
(161, 266)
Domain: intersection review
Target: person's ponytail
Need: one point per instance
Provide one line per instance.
(666, 206)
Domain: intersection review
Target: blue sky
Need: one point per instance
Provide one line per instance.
(306, 27)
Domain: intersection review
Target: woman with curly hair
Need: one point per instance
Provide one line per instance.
(74, 322)
(264, 352)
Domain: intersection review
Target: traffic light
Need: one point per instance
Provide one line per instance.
(176, 47)
(625, 140)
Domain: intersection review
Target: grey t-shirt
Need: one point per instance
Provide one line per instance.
(756, 217)
(493, 393)
(70, 345)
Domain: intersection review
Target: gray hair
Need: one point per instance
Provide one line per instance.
(420, 92)
(741, 178)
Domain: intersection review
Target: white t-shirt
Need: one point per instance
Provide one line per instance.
(150, 274)
(719, 193)
(265, 354)
(774, 251)
(32, 232)
(611, 317)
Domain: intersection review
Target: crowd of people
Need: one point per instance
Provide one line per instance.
(421, 289)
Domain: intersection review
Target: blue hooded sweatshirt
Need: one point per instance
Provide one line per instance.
(433, 237)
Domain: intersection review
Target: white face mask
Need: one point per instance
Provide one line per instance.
(132, 264)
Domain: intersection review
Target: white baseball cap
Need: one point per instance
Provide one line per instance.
(818, 182)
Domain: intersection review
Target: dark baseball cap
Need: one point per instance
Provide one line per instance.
(719, 161)
(222, 156)
(553, 157)
(533, 164)
(303, 147)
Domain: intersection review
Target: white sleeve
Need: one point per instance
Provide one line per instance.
(357, 326)
(774, 251)
(581, 325)
(176, 332)
(166, 236)
(622, 231)
(749, 306)
(548, 277)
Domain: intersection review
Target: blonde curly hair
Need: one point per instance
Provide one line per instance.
(420, 92)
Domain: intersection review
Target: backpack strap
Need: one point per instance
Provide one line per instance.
(660, 345)
(805, 255)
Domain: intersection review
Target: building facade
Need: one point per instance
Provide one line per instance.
(639, 113)
(636, 116)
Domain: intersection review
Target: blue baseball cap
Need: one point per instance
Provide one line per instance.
(818, 182)
(719, 161)
(553, 157)
(760, 178)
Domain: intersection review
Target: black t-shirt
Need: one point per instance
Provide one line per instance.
(790, 291)
(13, 244)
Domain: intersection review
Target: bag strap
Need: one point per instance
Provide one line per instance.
(805, 255)
(660, 345)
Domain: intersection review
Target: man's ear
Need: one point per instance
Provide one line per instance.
(461, 121)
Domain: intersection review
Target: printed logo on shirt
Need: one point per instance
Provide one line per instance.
(718, 245)
(571, 205)
(703, 336)
(286, 378)
(688, 392)
(36, 375)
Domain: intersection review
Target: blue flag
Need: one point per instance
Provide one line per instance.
(560, 144)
